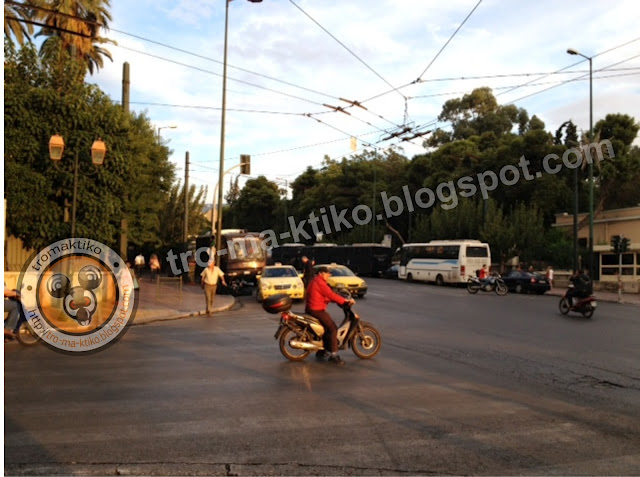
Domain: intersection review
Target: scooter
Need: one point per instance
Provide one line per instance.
(586, 305)
(474, 285)
(300, 334)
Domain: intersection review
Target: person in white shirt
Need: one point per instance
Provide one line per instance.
(209, 277)
(139, 264)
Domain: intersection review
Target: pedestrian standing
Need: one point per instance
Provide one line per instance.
(209, 281)
(308, 272)
(550, 276)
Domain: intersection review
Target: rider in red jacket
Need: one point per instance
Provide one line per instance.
(318, 296)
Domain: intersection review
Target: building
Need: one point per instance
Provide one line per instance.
(606, 224)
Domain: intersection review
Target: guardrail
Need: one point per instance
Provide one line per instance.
(177, 280)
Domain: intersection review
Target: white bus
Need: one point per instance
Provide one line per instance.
(443, 261)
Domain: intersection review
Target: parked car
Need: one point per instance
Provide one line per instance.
(391, 272)
(278, 278)
(525, 282)
(343, 277)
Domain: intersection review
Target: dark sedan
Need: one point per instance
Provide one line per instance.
(391, 272)
(525, 282)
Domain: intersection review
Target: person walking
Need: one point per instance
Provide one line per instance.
(139, 262)
(209, 281)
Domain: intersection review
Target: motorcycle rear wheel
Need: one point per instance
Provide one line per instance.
(293, 354)
(366, 341)
(26, 336)
(473, 287)
(564, 306)
(587, 310)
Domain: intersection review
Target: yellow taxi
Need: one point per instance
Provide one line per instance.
(279, 278)
(343, 277)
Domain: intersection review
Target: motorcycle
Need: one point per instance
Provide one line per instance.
(586, 305)
(474, 285)
(300, 334)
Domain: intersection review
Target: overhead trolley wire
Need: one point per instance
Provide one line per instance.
(347, 48)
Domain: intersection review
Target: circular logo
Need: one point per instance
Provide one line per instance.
(77, 295)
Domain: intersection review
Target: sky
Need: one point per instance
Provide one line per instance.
(292, 63)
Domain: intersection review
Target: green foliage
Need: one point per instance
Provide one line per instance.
(44, 97)
(172, 224)
(256, 205)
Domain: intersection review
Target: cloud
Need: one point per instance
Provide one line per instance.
(364, 51)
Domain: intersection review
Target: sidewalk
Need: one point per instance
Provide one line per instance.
(167, 302)
(627, 298)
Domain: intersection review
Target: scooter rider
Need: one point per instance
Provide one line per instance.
(582, 286)
(318, 296)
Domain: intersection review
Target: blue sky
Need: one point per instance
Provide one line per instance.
(288, 58)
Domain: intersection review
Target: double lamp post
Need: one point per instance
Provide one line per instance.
(56, 149)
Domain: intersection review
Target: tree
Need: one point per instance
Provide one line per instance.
(131, 184)
(172, 224)
(474, 114)
(256, 205)
(76, 23)
(15, 24)
(621, 169)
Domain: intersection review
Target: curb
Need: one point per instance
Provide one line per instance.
(180, 316)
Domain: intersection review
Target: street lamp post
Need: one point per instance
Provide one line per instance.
(222, 126)
(98, 152)
(165, 127)
(571, 51)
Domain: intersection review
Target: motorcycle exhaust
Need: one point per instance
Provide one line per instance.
(302, 345)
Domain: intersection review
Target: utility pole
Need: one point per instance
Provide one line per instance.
(186, 198)
(124, 226)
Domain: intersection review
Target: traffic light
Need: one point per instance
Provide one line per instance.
(616, 240)
(245, 164)
(624, 244)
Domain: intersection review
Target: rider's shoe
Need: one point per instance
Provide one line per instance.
(336, 360)
(321, 354)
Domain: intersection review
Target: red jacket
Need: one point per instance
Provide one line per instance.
(319, 295)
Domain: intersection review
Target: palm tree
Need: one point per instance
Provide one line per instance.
(76, 24)
(14, 22)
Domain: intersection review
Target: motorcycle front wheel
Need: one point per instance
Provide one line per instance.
(501, 289)
(26, 336)
(293, 354)
(564, 306)
(366, 341)
(587, 310)
(473, 287)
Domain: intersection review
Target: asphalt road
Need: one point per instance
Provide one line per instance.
(464, 384)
